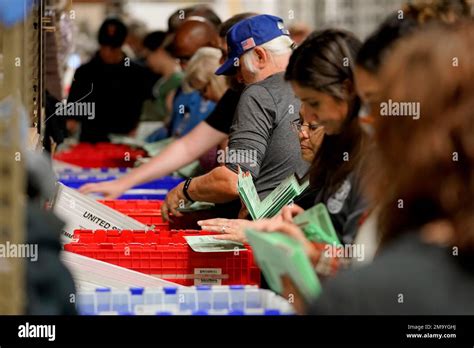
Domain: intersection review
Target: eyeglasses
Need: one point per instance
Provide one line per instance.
(298, 126)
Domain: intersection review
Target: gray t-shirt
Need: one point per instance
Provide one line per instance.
(261, 140)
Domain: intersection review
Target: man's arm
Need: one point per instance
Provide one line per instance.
(218, 186)
(178, 154)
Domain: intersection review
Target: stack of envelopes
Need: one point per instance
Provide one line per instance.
(284, 194)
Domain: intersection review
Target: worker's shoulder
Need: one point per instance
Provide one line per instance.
(275, 82)
(271, 86)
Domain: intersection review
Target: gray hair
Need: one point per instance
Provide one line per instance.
(279, 46)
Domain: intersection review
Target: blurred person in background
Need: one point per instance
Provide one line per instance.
(415, 14)
(192, 34)
(133, 45)
(163, 63)
(189, 108)
(200, 74)
(151, 42)
(200, 10)
(207, 134)
(299, 32)
(112, 85)
(200, 77)
(370, 59)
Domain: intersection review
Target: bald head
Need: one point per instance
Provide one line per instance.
(194, 33)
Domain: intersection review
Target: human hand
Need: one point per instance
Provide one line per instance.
(231, 229)
(290, 211)
(110, 189)
(174, 199)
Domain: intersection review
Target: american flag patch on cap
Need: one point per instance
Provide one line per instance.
(248, 44)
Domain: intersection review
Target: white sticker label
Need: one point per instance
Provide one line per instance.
(208, 276)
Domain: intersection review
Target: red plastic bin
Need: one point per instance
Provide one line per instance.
(166, 255)
(100, 155)
(145, 211)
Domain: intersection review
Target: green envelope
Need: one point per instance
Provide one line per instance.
(317, 225)
(278, 254)
(284, 194)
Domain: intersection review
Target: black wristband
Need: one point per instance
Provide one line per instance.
(185, 190)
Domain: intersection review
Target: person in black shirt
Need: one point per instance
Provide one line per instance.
(107, 93)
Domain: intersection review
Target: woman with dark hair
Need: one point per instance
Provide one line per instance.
(321, 72)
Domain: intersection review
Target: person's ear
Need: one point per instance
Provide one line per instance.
(261, 57)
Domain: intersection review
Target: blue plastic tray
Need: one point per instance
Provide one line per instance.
(198, 300)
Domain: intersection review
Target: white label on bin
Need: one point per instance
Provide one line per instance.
(208, 276)
(81, 212)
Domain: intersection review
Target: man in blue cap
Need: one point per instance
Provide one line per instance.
(259, 50)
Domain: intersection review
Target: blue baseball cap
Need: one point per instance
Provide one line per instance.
(247, 34)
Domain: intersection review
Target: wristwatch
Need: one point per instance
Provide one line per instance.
(185, 190)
